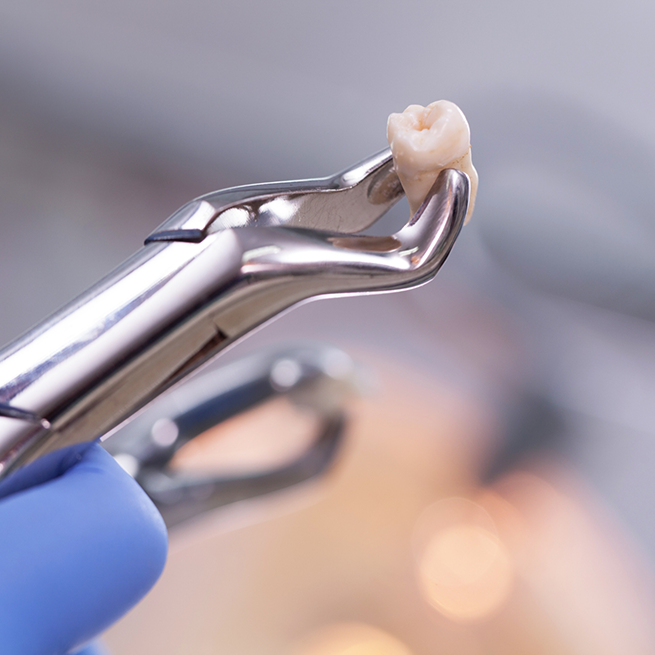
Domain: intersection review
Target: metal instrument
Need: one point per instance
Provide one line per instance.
(316, 378)
(216, 269)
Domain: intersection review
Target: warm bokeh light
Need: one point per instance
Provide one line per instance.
(532, 564)
(460, 555)
(463, 567)
(351, 639)
(579, 572)
(269, 435)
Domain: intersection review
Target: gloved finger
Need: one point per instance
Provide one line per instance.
(76, 552)
(45, 468)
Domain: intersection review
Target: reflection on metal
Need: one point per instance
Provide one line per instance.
(149, 448)
(178, 302)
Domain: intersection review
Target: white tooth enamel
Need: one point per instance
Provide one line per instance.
(424, 141)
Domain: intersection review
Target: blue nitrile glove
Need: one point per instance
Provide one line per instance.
(80, 544)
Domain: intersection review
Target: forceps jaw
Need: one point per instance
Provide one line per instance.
(368, 262)
(347, 202)
(284, 266)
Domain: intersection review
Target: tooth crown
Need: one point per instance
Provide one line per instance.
(424, 141)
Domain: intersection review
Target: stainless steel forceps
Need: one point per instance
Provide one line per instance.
(217, 268)
(315, 379)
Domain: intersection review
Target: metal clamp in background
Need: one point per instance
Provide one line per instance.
(315, 378)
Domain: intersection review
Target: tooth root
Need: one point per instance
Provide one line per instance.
(424, 141)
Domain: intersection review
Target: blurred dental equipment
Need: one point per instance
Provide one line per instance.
(402, 550)
(302, 389)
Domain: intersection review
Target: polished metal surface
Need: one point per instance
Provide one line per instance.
(347, 202)
(217, 269)
(313, 377)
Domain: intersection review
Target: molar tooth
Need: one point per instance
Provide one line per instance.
(424, 141)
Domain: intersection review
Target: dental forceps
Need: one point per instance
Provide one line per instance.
(219, 267)
(317, 379)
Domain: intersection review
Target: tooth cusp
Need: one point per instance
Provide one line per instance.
(424, 141)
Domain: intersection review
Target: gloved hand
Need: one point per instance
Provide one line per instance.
(80, 544)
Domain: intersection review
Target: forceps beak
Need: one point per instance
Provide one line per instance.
(343, 263)
(348, 202)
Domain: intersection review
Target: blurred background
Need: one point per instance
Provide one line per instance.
(494, 493)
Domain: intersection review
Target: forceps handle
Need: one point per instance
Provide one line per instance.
(113, 349)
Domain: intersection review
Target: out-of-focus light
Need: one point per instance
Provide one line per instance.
(164, 432)
(338, 364)
(592, 590)
(351, 639)
(285, 374)
(463, 568)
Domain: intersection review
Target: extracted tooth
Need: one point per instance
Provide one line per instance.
(424, 141)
